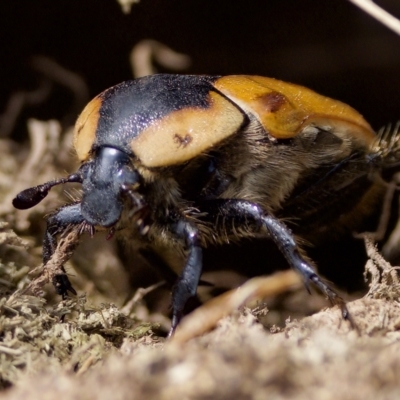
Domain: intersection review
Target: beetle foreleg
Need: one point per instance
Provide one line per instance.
(56, 224)
(187, 283)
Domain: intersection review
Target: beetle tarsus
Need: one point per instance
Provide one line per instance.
(63, 285)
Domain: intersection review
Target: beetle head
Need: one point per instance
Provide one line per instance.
(105, 179)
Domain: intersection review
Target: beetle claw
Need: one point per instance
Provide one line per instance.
(63, 285)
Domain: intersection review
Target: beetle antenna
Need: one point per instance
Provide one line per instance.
(32, 196)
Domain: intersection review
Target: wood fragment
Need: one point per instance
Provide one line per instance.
(206, 317)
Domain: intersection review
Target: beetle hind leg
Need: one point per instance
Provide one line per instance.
(233, 213)
(286, 243)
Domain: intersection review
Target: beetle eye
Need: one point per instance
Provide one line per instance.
(128, 179)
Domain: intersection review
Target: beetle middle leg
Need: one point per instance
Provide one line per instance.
(186, 285)
(232, 216)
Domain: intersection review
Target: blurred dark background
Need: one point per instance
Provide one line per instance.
(330, 46)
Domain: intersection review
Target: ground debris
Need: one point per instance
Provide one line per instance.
(69, 336)
(34, 338)
(241, 360)
(9, 237)
(384, 278)
(99, 352)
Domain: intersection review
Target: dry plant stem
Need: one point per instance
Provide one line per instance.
(63, 253)
(206, 317)
(126, 5)
(386, 211)
(91, 360)
(53, 72)
(379, 14)
(138, 296)
(390, 249)
(63, 76)
(44, 137)
(373, 253)
(380, 232)
(82, 353)
(16, 103)
(385, 281)
(142, 55)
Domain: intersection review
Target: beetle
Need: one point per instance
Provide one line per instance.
(176, 163)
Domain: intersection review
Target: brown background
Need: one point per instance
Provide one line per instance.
(330, 46)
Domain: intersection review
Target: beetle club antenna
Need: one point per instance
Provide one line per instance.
(32, 196)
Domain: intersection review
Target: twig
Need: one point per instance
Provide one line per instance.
(385, 282)
(71, 80)
(386, 213)
(44, 137)
(126, 5)
(54, 266)
(145, 51)
(52, 72)
(17, 101)
(138, 296)
(379, 14)
(206, 317)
